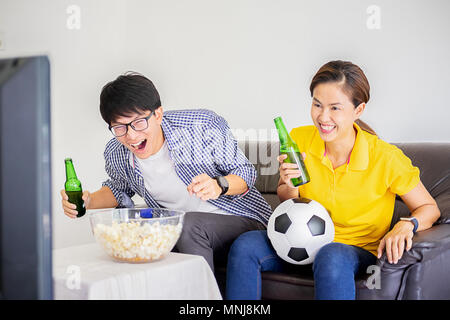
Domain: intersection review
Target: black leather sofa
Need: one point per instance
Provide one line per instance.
(421, 273)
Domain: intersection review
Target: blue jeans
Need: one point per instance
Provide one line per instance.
(334, 267)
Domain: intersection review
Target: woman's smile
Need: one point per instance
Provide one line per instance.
(326, 128)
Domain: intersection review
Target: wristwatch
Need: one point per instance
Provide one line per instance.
(223, 184)
(413, 221)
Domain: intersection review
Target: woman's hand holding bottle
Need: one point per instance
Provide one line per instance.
(288, 171)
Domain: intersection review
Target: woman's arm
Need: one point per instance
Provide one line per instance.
(286, 189)
(422, 205)
(424, 208)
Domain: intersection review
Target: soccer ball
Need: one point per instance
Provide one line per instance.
(298, 228)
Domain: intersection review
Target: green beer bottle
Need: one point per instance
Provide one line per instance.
(290, 148)
(73, 188)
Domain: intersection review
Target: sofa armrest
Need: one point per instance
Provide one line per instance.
(426, 245)
(443, 202)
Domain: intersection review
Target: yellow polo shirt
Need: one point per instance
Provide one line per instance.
(359, 195)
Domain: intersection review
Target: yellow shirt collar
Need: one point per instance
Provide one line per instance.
(359, 158)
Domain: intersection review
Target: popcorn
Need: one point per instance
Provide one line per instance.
(136, 241)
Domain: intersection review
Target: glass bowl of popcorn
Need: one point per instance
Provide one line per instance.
(136, 235)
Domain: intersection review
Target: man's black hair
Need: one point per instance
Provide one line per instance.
(129, 93)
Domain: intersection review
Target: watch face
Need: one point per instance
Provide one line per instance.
(223, 183)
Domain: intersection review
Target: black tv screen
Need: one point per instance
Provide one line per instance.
(25, 179)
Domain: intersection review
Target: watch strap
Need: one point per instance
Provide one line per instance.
(413, 221)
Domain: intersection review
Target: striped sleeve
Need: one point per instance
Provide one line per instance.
(227, 155)
(118, 185)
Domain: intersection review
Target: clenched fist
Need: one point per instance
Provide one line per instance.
(204, 187)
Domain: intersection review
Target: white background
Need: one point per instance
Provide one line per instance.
(248, 60)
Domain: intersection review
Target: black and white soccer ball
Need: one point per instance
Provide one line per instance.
(298, 228)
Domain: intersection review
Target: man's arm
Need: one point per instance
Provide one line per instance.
(229, 160)
(206, 188)
(236, 185)
(103, 198)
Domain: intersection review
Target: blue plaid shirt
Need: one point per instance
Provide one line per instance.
(199, 141)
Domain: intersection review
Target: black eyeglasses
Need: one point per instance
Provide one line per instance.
(137, 125)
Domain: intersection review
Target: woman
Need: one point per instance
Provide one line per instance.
(356, 177)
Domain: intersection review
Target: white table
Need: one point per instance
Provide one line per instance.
(86, 272)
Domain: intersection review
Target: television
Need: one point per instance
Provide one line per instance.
(25, 179)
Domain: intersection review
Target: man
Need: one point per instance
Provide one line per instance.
(186, 160)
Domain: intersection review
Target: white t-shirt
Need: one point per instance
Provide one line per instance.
(168, 190)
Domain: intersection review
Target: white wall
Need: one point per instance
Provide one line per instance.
(249, 60)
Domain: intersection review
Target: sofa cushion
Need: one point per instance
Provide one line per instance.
(433, 160)
(272, 199)
(263, 155)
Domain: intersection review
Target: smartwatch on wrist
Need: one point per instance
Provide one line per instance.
(413, 221)
(223, 184)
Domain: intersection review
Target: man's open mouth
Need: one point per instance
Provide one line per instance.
(140, 145)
